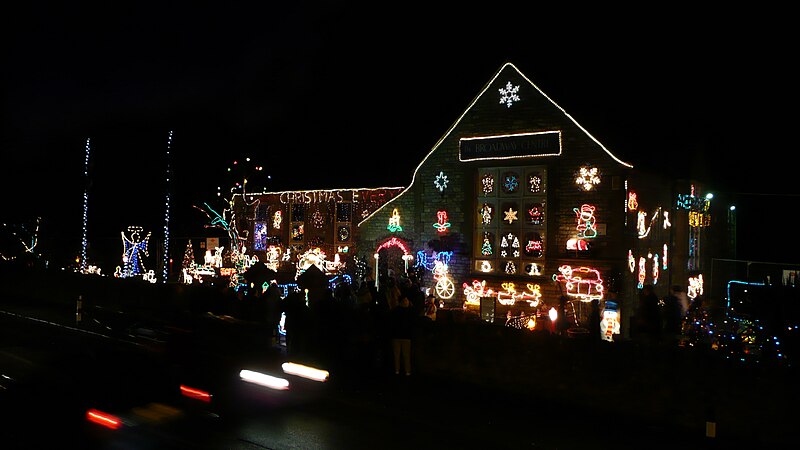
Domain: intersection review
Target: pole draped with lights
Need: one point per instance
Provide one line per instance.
(84, 241)
(165, 263)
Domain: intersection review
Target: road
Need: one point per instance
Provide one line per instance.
(71, 369)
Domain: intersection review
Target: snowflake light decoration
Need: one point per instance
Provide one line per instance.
(587, 177)
(508, 95)
(510, 183)
(441, 181)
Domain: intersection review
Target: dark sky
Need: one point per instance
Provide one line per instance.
(314, 91)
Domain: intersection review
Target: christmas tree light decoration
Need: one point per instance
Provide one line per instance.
(486, 266)
(441, 224)
(664, 259)
(511, 268)
(536, 214)
(583, 283)
(486, 247)
(533, 269)
(84, 241)
(509, 94)
(165, 262)
(633, 203)
(343, 233)
(631, 261)
(188, 257)
(510, 183)
(512, 242)
(440, 182)
(695, 287)
(586, 221)
(486, 214)
(277, 219)
(134, 248)
(394, 222)
(534, 183)
(511, 216)
(487, 182)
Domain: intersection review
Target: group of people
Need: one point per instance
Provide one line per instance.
(660, 321)
(350, 325)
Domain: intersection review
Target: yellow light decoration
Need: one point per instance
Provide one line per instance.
(277, 219)
(511, 216)
(475, 291)
(633, 203)
(394, 222)
(587, 177)
(583, 283)
(486, 266)
(695, 287)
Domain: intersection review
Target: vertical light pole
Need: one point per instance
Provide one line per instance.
(165, 261)
(84, 241)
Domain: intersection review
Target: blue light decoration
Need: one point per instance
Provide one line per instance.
(260, 235)
(134, 249)
(510, 183)
(165, 262)
(84, 241)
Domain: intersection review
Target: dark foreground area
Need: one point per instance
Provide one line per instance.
(622, 387)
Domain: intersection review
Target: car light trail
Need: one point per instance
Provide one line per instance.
(264, 380)
(300, 370)
(101, 418)
(196, 394)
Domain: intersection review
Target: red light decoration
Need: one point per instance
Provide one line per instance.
(441, 224)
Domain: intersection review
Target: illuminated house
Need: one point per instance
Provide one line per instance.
(525, 203)
(516, 205)
(289, 230)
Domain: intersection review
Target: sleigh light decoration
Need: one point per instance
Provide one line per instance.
(582, 283)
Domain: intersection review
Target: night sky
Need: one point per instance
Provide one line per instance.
(315, 92)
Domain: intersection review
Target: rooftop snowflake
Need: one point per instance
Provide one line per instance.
(508, 95)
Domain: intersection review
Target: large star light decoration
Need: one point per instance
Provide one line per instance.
(511, 216)
(441, 181)
(508, 95)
